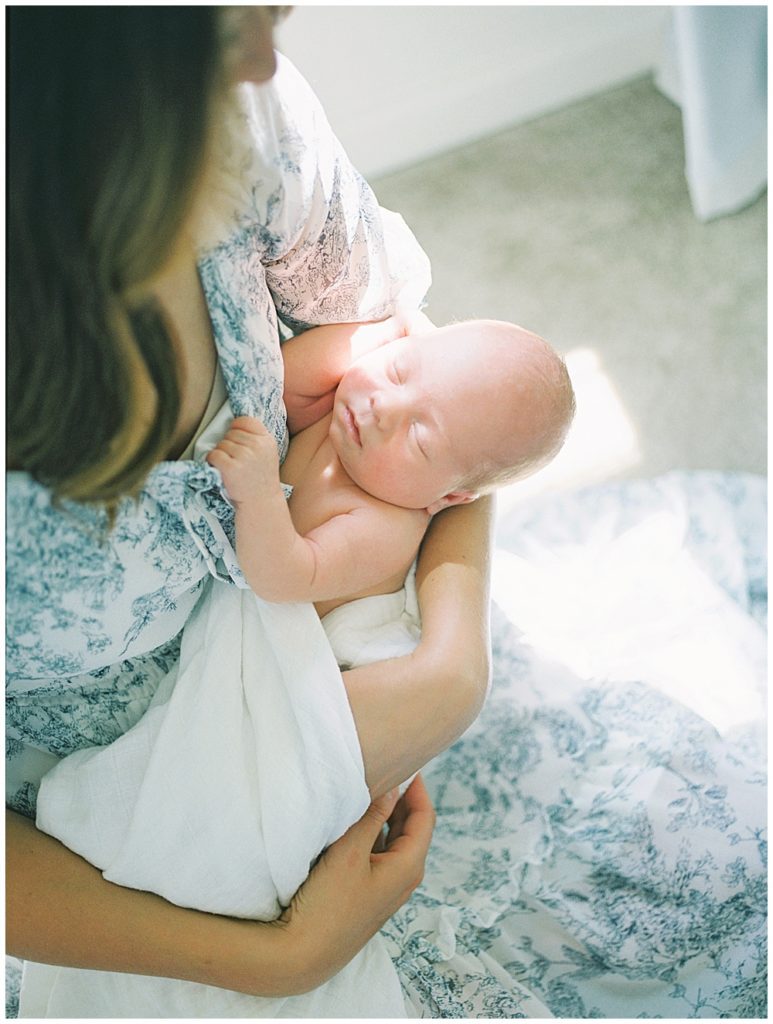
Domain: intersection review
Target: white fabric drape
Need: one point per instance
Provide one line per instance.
(715, 68)
(245, 766)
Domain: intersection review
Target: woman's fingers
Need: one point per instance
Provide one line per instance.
(365, 888)
(409, 815)
(413, 822)
(413, 321)
(417, 799)
(369, 828)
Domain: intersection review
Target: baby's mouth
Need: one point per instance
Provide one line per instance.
(351, 426)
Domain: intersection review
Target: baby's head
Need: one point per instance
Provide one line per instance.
(437, 419)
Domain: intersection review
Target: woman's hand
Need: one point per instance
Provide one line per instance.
(411, 321)
(353, 890)
(403, 324)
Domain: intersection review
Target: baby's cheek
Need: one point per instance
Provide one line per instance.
(354, 383)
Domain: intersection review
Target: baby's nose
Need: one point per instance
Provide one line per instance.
(388, 411)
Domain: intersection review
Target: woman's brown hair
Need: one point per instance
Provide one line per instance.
(109, 118)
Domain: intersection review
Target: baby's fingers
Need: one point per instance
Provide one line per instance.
(240, 440)
(249, 425)
(219, 457)
(233, 446)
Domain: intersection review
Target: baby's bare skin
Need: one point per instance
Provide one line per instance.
(322, 489)
(418, 424)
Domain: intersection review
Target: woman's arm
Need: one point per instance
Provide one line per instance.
(315, 361)
(409, 709)
(347, 898)
(406, 711)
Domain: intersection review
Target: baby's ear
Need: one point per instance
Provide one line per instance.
(453, 498)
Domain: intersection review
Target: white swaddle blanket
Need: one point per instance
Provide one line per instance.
(244, 768)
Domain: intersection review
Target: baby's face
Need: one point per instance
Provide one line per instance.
(409, 418)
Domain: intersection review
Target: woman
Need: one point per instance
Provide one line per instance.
(150, 256)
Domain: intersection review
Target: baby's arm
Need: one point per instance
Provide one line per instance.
(345, 555)
(315, 361)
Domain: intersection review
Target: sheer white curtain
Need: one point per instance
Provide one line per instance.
(715, 68)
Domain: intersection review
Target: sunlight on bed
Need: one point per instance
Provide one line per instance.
(601, 443)
(635, 605)
(622, 602)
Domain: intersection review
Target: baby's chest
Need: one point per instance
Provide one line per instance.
(315, 501)
(321, 490)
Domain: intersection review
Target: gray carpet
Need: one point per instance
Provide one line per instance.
(579, 226)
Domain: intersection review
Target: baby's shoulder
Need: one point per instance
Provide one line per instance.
(413, 521)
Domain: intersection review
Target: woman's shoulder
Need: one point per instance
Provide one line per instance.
(31, 509)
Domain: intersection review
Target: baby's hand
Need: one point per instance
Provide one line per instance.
(248, 460)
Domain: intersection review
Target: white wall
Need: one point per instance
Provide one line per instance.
(402, 83)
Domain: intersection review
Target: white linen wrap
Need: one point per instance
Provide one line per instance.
(244, 768)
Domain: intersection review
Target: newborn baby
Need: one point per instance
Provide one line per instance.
(418, 424)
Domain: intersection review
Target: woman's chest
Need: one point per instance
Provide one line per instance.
(187, 317)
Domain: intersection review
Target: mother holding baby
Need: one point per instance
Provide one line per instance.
(175, 197)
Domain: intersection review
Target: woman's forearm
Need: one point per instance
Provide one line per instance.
(348, 896)
(453, 583)
(409, 709)
(315, 361)
(49, 888)
(406, 710)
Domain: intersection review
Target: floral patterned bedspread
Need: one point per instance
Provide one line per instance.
(600, 846)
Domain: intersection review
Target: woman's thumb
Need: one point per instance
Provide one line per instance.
(373, 820)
